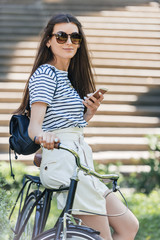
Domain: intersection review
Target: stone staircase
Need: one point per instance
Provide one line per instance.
(125, 51)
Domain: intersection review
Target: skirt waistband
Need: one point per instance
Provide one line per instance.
(74, 133)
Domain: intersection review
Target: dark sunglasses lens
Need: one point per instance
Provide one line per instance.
(61, 37)
(76, 38)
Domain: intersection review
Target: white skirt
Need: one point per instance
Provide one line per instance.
(58, 166)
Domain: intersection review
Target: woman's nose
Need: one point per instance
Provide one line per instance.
(69, 40)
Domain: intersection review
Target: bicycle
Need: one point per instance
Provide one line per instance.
(66, 227)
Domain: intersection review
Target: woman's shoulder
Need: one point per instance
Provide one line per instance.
(45, 69)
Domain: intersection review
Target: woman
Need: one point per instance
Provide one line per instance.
(60, 79)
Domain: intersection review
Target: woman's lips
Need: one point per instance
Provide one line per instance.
(68, 49)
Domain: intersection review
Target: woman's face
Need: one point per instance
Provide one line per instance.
(66, 50)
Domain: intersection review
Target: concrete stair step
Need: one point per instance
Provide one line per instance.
(19, 20)
(152, 8)
(119, 132)
(87, 25)
(21, 23)
(131, 64)
(131, 14)
(28, 53)
(98, 63)
(122, 33)
(134, 81)
(17, 75)
(21, 31)
(93, 46)
(123, 109)
(105, 131)
(125, 157)
(124, 121)
(126, 41)
(18, 41)
(102, 63)
(52, 3)
(10, 97)
(109, 3)
(111, 109)
(128, 169)
(120, 20)
(4, 131)
(14, 77)
(102, 8)
(118, 55)
(16, 69)
(4, 144)
(124, 48)
(28, 159)
(21, 63)
(6, 108)
(18, 38)
(4, 119)
(127, 72)
(18, 53)
(23, 45)
(11, 86)
(89, 32)
(123, 89)
(113, 89)
(109, 121)
(122, 26)
(7, 97)
(103, 143)
(134, 100)
(17, 61)
(78, 7)
(37, 3)
(32, 10)
(147, 81)
(117, 143)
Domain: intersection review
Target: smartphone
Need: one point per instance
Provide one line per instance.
(102, 90)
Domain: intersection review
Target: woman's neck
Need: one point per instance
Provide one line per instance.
(61, 65)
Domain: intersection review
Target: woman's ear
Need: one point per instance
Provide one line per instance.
(48, 44)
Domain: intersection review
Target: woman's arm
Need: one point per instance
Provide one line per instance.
(92, 106)
(38, 111)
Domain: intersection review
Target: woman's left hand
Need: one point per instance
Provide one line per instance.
(92, 104)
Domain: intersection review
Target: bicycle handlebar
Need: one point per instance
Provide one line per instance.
(84, 168)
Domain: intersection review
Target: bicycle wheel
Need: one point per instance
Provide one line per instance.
(73, 233)
(29, 228)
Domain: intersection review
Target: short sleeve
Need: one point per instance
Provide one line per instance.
(42, 86)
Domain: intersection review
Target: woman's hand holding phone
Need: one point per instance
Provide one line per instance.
(92, 102)
(98, 93)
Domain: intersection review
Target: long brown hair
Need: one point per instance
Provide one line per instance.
(79, 71)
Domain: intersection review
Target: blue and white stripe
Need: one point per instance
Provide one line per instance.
(64, 105)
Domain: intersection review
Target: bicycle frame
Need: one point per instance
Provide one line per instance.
(43, 211)
(63, 221)
(42, 208)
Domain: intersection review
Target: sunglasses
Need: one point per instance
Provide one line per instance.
(62, 37)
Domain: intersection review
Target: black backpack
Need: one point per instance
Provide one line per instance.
(19, 141)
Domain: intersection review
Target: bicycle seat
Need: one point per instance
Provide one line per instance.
(34, 179)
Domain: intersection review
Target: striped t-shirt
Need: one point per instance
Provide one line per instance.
(64, 105)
